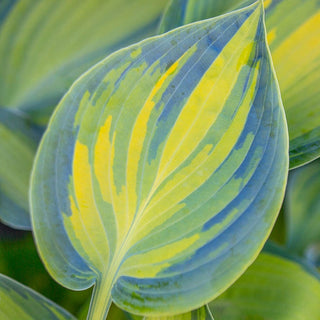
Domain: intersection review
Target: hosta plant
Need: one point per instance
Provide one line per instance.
(163, 168)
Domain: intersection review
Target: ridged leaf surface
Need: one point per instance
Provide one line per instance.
(163, 168)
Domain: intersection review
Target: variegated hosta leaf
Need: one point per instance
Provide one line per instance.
(275, 287)
(303, 207)
(18, 143)
(163, 169)
(44, 47)
(20, 302)
(294, 37)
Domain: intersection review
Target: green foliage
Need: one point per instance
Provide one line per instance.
(163, 168)
(20, 302)
(275, 287)
(303, 208)
(19, 260)
(18, 142)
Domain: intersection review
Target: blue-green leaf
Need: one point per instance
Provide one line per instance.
(18, 142)
(44, 47)
(294, 37)
(275, 287)
(303, 207)
(162, 165)
(20, 302)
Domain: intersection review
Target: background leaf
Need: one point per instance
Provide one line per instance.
(18, 142)
(20, 302)
(275, 287)
(163, 164)
(303, 208)
(19, 260)
(44, 47)
(312, 253)
(294, 37)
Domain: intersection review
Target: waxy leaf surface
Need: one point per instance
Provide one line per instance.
(44, 47)
(20, 302)
(275, 287)
(293, 28)
(303, 207)
(163, 168)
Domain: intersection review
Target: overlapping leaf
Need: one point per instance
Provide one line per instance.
(275, 287)
(163, 169)
(20, 302)
(303, 207)
(44, 47)
(18, 142)
(294, 37)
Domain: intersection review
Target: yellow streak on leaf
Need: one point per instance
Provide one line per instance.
(134, 54)
(267, 3)
(85, 218)
(149, 264)
(191, 177)
(271, 36)
(139, 133)
(208, 99)
(101, 161)
(297, 54)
